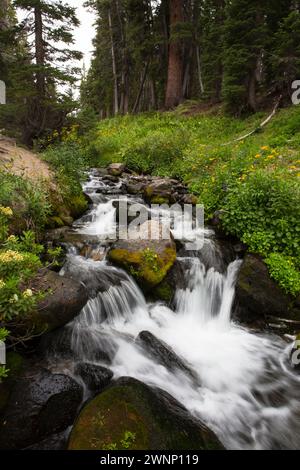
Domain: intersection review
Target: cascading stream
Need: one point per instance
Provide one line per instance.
(243, 393)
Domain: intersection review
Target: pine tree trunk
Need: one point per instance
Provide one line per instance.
(175, 67)
(199, 69)
(39, 52)
(114, 65)
(141, 89)
(124, 76)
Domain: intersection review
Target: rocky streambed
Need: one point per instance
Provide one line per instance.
(150, 345)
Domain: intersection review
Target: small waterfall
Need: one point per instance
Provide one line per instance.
(242, 392)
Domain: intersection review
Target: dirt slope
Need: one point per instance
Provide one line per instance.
(22, 162)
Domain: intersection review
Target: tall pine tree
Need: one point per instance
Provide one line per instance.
(47, 24)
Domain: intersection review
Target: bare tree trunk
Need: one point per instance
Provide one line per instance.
(141, 89)
(187, 74)
(114, 65)
(153, 98)
(124, 75)
(175, 67)
(199, 69)
(39, 52)
(252, 92)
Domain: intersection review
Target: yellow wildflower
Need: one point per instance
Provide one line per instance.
(12, 239)
(270, 157)
(265, 148)
(14, 299)
(11, 256)
(258, 155)
(293, 168)
(298, 175)
(27, 293)
(6, 211)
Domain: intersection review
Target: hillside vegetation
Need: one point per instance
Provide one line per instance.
(254, 182)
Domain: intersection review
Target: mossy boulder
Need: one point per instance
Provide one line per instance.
(116, 169)
(259, 297)
(159, 191)
(174, 280)
(147, 260)
(132, 416)
(77, 205)
(64, 299)
(66, 209)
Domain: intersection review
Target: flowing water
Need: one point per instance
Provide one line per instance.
(244, 389)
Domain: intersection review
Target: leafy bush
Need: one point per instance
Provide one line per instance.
(284, 271)
(69, 162)
(264, 212)
(30, 201)
(19, 262)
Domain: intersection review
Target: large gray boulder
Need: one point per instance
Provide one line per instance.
(259, 297)
(41, 404)
(64, 301)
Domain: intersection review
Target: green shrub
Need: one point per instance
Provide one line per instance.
(19, 262)
(284, 271)
(30, 201)
(264, 212)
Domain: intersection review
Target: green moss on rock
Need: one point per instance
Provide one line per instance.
(132, 416)
(135, 261)
(164, 291)
(160, 200)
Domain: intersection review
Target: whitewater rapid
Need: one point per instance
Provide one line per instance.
(244, 390)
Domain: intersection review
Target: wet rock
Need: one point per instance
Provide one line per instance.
(259, 297)
(130, 415)
(159, 191)
(131, 208)
(95, 376)
(164, 354)
(72, 344)
(41, 404)
(148, 259)
(111, 179)
(15, 364)
(64, 302)
(95, 276)
(135, 188)
(116, 169)
(100, 172)
(190, 199)
(55, 442)
(295, 354)
(56, 234)
(216, 221)
(174, 280)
